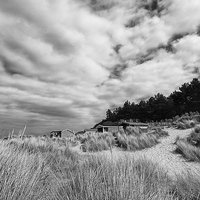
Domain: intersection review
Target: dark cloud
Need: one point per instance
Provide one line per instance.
(177, 37)
(98, 5)
(117, 48)
(59, 43)
(154, 7)
(10, 67)
(49, 110)
(117, 71)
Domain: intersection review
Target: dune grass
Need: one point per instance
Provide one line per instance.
(46, 170)
(135, 139)
(186, 124)
(189, 148)
(186, 187)
(131, 140)
(187, 120)
(194, 137)
(188, 151)
(158, 132)
(97, 142)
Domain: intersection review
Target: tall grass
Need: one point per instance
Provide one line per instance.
(194, 137)
(47, 171)
(136, 139)
(30, 170)
(132, 139)
(189, 148)
(99, 179)
(132, 142)
(188, 151)
(158, 132)
(187, 187)
(186, 124)
(97, 142)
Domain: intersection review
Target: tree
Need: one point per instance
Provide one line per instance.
(109, 115)
(159, 107)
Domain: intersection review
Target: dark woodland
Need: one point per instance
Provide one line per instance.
(160, 107)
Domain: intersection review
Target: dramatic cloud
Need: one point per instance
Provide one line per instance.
(64, 63)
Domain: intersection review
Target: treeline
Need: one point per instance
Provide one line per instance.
(160, 107)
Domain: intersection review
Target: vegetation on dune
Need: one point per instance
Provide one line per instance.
(187, 187)
(50, 171)
(188, 151)
(25, 171)
(186, 124)
(194, 137)
(158, 132)
(133, 139)
(96, 142)
(189, 148)
(133, 142)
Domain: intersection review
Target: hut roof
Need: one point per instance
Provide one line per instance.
(134, 124)
(109, 123)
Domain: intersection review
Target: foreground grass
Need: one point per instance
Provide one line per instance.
(41, 169)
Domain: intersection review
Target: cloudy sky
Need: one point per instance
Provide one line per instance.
(64, 63)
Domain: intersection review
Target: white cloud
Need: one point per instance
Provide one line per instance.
(183, 16)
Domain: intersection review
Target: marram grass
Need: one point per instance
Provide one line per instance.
(44, 170)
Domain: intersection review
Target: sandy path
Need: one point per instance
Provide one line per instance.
(162, 154)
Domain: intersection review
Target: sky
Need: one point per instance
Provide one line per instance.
(64, 63)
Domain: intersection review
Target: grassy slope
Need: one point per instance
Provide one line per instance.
(42, 169)
(189, 148)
